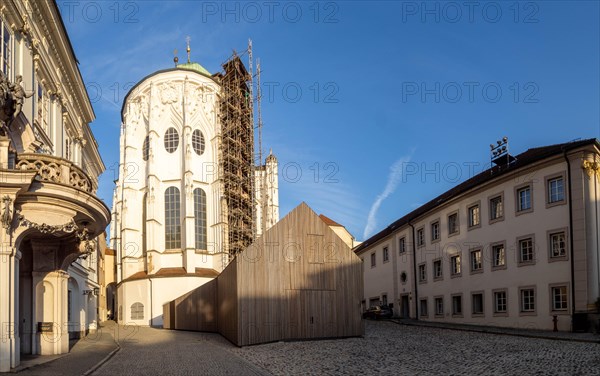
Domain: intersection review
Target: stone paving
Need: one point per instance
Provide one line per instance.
(148, 351)
(389, 348)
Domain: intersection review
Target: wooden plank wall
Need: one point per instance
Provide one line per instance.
(196, 310)
(228, 305)
(297, 281)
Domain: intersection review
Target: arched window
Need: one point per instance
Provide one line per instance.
(146, 148)
(171, 140)
(198, 142)
(200, 217)
(137, 311)
(172, 219)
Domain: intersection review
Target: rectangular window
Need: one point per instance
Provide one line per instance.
(524, 199)
(453, 223)
(528, 300)
(384, 299)
(386, 254)
(556, 191)
(423, 307)
(402, 245)
(526, 250)
(420, 237)
(476, 262)
(500, 302)
(496, 208)
(498, 256)
(477, 303)
(373, 259)
(455, 267)
(439, 306)
(6, 50)
(558, 246)
(437, 269)
(559, 298)
(474, 219)
(457, 304)
(422, 273)
(435, 231)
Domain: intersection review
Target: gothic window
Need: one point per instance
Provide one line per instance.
(171, 140)
(172, 218)
(198, 142)
(146, 148)
(5, 49)
(200, 217)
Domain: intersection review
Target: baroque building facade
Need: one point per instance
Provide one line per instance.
(516, 246)
(188, 194)
(49, 168)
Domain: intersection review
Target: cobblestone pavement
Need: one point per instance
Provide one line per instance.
(389, 348)
(148, 351)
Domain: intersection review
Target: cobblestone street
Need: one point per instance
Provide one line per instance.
(389, 348)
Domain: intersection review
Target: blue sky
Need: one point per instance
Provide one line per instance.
(372, 108)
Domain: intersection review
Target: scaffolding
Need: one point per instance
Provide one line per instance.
(237, 154)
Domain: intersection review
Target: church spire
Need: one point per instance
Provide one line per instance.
(188, 40)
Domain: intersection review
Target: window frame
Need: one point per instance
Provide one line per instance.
(547, 180)
(495, 302)
(434, 238)
(453, 297)
(440, 263)
(386, 254)
(200, 220)
(562, 311)
(420, 235)
(476, 204)
(549, 235)
(373, 259)
(480, 269)
(198, 140)
(493, 255)
(422, 272)
(519, 240)
(171, 140)
(7, 64)
(529, 312)
(436, 299)
(482, 313)
(491, 211)
(402, 245)
(175, 207)
(457, 224)
(423, 313)
(518, 210)
(453, 265)
(137, 311)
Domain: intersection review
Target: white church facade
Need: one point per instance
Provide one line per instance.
(188, 194)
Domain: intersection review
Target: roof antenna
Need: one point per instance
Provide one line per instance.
(188, 40)
(175, 59)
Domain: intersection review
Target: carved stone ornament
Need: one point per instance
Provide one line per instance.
(44, 228)
(7, 212)
(591, 168)
(168, 94)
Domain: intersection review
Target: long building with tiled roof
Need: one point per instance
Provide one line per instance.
(516, 245)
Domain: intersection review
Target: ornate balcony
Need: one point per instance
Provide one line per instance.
(56, 170)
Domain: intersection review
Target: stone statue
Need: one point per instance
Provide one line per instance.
(6, 104)
(19, 95)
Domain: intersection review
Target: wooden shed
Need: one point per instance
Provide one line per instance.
(299, 280)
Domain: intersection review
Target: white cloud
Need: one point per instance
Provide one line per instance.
(392, 183)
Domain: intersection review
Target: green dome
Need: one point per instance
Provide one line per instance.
(195, 67)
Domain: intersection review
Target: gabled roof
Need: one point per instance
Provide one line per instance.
(522, 160)
(328, 221)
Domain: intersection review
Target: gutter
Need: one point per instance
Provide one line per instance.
(414, 249)
(570, 200)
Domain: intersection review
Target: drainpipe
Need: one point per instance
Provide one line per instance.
(414, 249)
(570, 204)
